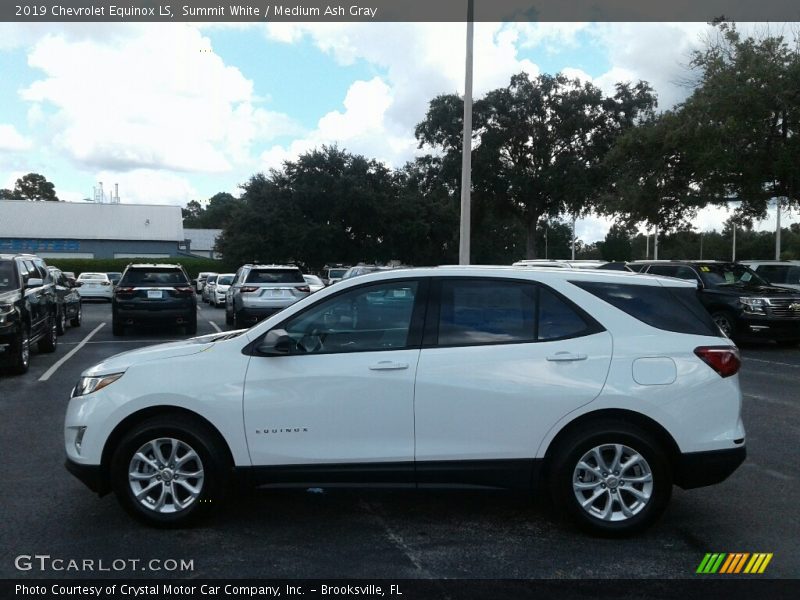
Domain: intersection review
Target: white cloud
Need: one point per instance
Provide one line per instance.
(161, 100)
(12, 140)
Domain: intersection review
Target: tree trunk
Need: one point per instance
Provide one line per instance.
(530, 237)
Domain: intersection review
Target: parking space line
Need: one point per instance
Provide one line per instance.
(215, 326)
(47, 374)
(770, 362)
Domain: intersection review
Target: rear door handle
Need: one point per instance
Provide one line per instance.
(388, 365)
(565, 357)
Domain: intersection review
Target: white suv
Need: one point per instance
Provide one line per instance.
(605, 389)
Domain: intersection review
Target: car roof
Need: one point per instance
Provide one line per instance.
(288, 267)
(543, 274)
(152, 266)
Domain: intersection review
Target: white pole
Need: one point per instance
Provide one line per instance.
(466, 159)
(647, 246)
(733, 258)
(655, 243)
(573, 237)
(778, 229)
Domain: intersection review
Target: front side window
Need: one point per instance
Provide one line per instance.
(371, 318)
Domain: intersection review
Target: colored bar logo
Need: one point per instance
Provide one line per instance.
(731, 563)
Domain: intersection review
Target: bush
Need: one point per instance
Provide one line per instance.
(193, 266)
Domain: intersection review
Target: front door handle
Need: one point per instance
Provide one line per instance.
(388, 365)
(565, 357)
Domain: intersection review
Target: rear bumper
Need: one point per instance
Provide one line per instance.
(90, 475)
(254, 315)
(163, 315)
(699, 469)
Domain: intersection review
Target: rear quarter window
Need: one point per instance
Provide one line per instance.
(674, 309)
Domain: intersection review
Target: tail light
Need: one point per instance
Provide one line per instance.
(105, 283)
(303, 288)
(248, 290)
(123, 291)
(184, 289)
(723, 359)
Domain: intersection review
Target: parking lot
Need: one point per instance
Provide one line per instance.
(379, 533)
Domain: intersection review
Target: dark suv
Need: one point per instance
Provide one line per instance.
(27, 309)
(154, 294)
(742, 304)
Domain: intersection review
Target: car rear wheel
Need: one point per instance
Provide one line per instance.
(612, 479)
(62, 322)
(228, 318)
(76, 320)
(170, 471)
(726, 322)
(50, 341)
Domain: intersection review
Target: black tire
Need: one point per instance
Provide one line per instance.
(49, 342)
(228, 318)
(213, 462)
(609, 435)
(235, 323)
(21, 352)
(191, 325)
(726, 321)
(78, 318)
(61, 323)
(117, 327)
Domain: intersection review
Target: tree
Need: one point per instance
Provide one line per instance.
(192, 215)
(33, 187)
(6, 194)
(539, 144)
(617, 245)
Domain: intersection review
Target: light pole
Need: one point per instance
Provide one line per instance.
(573, 237)
(778, 228)
(466, 158)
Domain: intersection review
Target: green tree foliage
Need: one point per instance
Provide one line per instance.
(218, 211)
(538, 146)
(617, 245)
(31, 187)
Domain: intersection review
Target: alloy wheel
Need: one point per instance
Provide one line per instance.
(166, 475)
(612, 482)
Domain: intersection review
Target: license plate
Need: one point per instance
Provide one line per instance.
(154, 294)
(279, 293)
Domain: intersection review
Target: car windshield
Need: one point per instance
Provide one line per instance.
(101, 276)
(7, 279)
(211, 279)
(275, 276)
(225, 280)
(727, 275)
(336, 273)
(154, 277)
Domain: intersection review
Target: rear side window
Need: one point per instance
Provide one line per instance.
(496, 311)
(675, 309)
(145, 277)
(275, 276)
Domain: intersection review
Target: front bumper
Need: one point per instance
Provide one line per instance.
(91, 476)
(768, 328)
(699, 469)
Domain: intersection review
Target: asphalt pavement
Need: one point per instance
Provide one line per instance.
(378, 533)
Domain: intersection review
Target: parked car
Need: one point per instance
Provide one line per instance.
(363, 270)
(201, 280)
(742, 303)
(95, 285)
(70, 276)
(333, 274)
(154, 294)
(314, 283)
(208, 287)
(559, 263)
(114, 277)
(224, 281)
(601, 388)
(258, 291)
(785, 273)
(68, 300)
(28, 310)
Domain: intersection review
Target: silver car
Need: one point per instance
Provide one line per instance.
(259, 291)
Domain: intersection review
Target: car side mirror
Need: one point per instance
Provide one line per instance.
(34, 282)
(276, 343)
(78, 283)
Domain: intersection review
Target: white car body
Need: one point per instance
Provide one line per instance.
(499, 403)
(559, 263)
(95, 285)
(221, 289)
(314, 283)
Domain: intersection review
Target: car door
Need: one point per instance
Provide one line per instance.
(502, 361)
(342, 394)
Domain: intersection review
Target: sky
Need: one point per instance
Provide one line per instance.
(174, 112)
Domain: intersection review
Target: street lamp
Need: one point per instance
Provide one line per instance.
(466, 157)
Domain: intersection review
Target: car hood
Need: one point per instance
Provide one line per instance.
(768, 291)
(9, 297)
(121, 362)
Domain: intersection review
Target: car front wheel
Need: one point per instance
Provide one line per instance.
(612, 479)
(169, 472)
(76, 320)
(22, 352)
(726, 323)
(62, 321)
(49, 342)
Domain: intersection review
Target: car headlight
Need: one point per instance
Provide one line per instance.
(87, 385)
(754, 305)
(5, 310)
